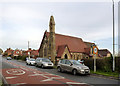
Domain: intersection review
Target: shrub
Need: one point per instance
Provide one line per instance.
(104, 64)
(117, 64)
(24, 58)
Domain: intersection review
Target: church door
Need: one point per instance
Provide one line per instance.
(66, 57)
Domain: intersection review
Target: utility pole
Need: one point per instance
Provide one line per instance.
(113, 37)
(28, 51)
(28, 45)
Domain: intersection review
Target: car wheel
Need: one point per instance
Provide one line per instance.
(59, 69)
(74, 72)
(36, 65)
(42, 66)
(26, 63)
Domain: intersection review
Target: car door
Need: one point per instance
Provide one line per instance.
(68, 65)
(62, 64)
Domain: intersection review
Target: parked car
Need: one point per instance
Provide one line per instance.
(30, 61)
(43, 62)
(73, 66)
(9, 58)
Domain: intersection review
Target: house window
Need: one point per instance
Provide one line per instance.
(17, 52)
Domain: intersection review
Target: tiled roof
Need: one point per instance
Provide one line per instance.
(75, 44)
(103, 52)
(60, 50)
(89, 44)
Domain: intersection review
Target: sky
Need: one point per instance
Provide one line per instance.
(26, 20)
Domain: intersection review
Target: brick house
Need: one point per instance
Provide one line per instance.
(33, 53)
(17, 52)
(104, 53)
(8, 52)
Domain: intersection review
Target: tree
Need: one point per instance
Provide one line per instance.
(1, 51)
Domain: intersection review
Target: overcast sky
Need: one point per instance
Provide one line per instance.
(25, 21)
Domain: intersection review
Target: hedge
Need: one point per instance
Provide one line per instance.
(104, 64)
(20, 58)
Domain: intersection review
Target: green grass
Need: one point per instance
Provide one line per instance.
(0, 82)
(111, 74)
(55, 67)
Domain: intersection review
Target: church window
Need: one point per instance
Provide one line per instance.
(45, 51)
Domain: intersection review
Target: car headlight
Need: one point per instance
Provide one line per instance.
(82, 70)
(45, 64)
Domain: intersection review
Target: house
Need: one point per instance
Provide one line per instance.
(17, 52)
(33, 53)
(8, 52)
(57, 46)
(104, 53)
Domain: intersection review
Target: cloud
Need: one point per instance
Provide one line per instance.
(6, 1)
(22, 22)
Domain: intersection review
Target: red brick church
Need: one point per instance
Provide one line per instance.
(57, 46)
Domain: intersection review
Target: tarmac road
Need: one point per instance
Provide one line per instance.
(90, 79)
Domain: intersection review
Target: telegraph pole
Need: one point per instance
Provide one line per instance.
(113, 37)
(28, 51)
(28, 45)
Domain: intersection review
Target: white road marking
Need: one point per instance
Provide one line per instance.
(74, 83)
(11, 77)
(20, 83)
(15, 72)
(24, 68)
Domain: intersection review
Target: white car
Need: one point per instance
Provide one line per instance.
(30, 61)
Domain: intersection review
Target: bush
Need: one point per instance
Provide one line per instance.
(117, 64)
(104, 64)
(89, 63)
(24, 58)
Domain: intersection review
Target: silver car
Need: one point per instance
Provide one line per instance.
(30, 61)
(43, 62)
(73, 66)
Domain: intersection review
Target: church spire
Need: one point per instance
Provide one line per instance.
(52, 21)
(52, 24)
(52, 47)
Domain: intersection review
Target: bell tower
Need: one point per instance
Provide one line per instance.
(52, 47)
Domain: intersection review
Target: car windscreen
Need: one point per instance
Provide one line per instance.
(76, 62)
(32, 59)
(46, 60)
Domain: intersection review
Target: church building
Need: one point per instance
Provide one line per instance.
(57, 46)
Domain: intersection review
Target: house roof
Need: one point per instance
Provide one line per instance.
(75, 44)
(103, 52)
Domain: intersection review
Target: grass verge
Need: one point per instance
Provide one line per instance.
(109, 74)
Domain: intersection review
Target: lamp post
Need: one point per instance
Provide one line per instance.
(113, 37)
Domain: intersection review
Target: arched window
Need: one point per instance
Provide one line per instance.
(45, 50)
(66, 57)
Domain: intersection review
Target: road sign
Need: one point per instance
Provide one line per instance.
(95, 50)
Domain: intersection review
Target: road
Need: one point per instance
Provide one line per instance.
(90, 79)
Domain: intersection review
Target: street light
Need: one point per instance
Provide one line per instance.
(113, 37)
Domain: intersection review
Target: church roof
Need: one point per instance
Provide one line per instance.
(74, 44)
(60, 50)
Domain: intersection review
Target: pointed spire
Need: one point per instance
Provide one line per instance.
(52, 22)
